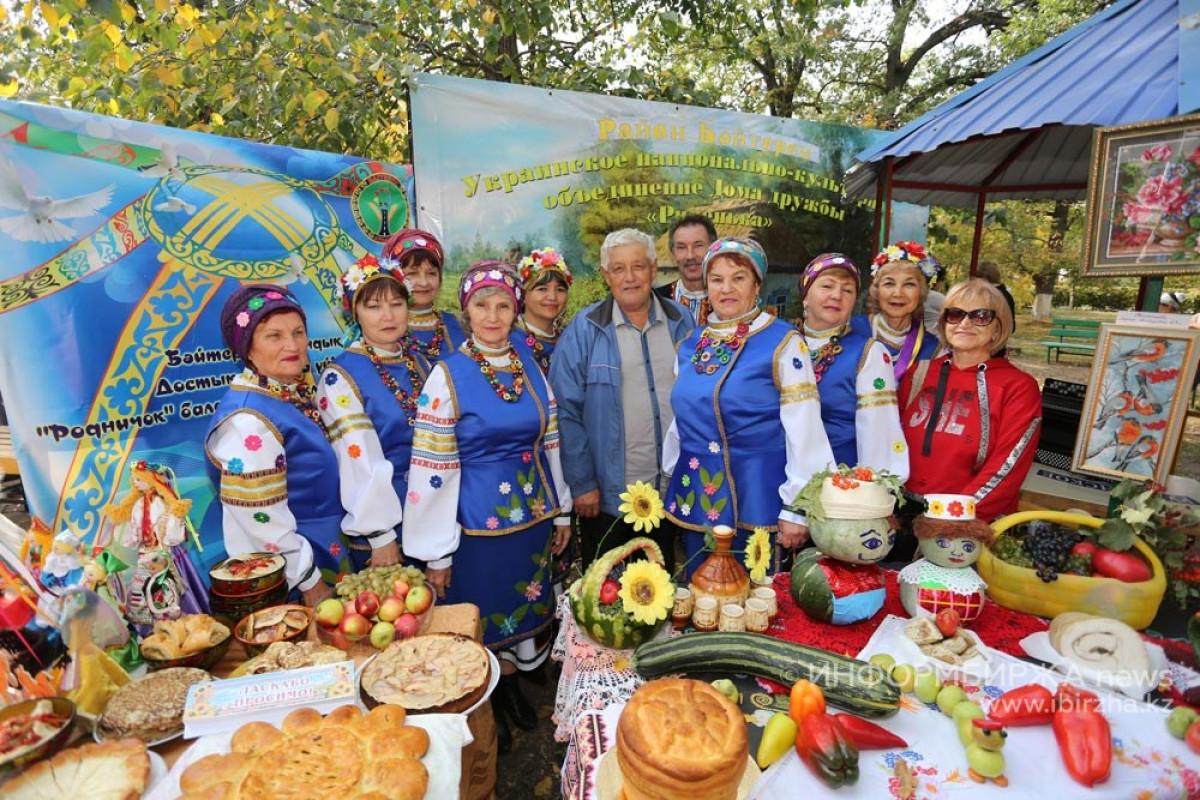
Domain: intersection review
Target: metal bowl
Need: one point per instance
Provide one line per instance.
(266, 570)
(47, 747)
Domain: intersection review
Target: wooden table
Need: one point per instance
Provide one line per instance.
(479, 757)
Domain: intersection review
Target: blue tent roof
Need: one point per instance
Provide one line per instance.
(1030, 124)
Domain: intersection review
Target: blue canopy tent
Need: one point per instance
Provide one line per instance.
(1025, 132)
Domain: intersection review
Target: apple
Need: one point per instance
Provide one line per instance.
(407, 626)
(391, 608)
(884, 661)
(905, 676)
(382, 634)
(962, 715)
(947, 621)
(367, 603)
(400, 588)
(354, 626)
(419, 599)
(608, 591)
(330, 612)
(950, 696)
(927, 685)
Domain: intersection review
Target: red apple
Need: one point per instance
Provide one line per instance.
(608, 591)
(947, 621)
(407, 626)
(330, 612)
(400, 588)
(354, 626)
(367, 603)
(382, 634)
(419, 599)
(391, 608)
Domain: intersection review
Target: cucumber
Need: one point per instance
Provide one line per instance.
(849, 684)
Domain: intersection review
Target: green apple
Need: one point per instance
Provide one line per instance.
(884, 661)
(962, 715)
(905, 676)
(927, 685)
(1180, 719)
(950, 696)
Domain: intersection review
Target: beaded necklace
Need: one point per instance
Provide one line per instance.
(489, 372)
(434, 349)
(536, 345)
(407, 400)
(301, 397)
(710, 346)
(824, 355)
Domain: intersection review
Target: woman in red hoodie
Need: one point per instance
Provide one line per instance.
(971, 418)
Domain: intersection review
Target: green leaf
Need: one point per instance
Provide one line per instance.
(1116, 534)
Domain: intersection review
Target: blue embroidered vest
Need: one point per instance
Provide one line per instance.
(839, 393)
(424, 338)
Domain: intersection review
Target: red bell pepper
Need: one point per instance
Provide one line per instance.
(1085, 743)
(866, 735)
(1068, 697)
(827, 750)
(1032, 704)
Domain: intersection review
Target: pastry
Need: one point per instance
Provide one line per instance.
(117, 770)
(1101, 644)
(345, 754)
(439, 673)
(150, 708)
(680, 738)
(292, 655)
(176, 638)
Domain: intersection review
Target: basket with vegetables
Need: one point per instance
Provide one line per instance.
(1048, 562)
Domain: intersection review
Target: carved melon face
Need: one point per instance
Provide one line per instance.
(856, 541)
(950, 553)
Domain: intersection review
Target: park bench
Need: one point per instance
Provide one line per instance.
(1074, 336)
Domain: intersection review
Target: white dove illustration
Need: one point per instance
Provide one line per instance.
(175, 204)
(295, 272)
(40, 214)
(167, 164)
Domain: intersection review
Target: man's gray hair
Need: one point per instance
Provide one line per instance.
(627, 236)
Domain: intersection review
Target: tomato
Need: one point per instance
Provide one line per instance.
(1085, 548)
(1122, 566)
(1192, 737)
(947, 621)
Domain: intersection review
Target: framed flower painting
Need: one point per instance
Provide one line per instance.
(1137, 401)
(1144, 199)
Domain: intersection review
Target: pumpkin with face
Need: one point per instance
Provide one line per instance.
(950, 539)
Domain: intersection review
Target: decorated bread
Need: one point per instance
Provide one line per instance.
(439, 673)
(1101, 644)
(680, 738)
(117, 770)
(343, 755)
(150, 708)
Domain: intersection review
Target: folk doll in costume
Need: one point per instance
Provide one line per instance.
(487, 504)
(747, 435)
(951, 539)
(545, 280)
(151, 521)
(853, 371)
(900, 277)
(367, 398)
(432, 334)
(268, 450)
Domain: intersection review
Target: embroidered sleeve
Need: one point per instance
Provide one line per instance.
(364, 473)
(554, 456)
(253, 493)
(880, 437)
(431, 528)
(1014, 420)
(806, 445)
(172, 531)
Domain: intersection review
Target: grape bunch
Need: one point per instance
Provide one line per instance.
(1011, 549)
(1048, 548)
(378, 580)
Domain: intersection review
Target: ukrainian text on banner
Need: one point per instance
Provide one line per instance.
(121, 241)
(500, 168)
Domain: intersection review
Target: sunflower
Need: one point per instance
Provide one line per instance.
(758, 553)
(642, 507)
(646, 593)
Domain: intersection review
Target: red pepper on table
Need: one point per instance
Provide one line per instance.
(826, 748)
(1032, 704)
(866, 735)
(1083, 734)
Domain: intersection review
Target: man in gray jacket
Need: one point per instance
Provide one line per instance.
(612, 373)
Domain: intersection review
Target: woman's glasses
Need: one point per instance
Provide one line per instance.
(979, 317)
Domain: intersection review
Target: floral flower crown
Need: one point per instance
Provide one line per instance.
(489, 273)
(539, 262)
(362, 272)
(906, 251)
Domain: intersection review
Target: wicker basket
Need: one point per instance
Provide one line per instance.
(1020, 589)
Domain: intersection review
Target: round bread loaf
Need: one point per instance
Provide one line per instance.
(679, 738)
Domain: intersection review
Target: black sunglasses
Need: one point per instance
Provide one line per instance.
(979, 317)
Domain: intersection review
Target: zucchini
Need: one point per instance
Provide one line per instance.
(849, 684)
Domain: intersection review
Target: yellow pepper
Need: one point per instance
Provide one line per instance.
(778, 737)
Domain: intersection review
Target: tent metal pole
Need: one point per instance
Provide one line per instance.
(877, 231)
(887, 217)
(977, 242)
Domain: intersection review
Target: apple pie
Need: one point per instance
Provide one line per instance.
(344, 755)
(439, 673)
(116, 770)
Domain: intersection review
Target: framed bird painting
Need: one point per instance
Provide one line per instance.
(1137, 401)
